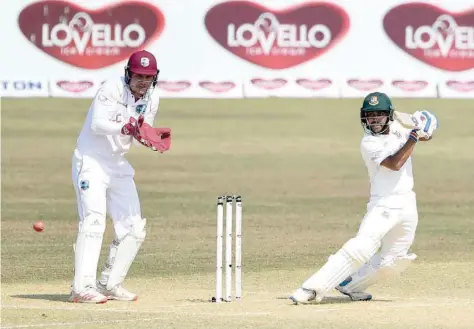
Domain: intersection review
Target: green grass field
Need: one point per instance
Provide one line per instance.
(304, 186)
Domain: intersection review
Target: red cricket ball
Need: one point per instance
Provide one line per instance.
(38, 226)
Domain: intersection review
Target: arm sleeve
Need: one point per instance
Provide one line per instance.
(104, 102)
(374, 151)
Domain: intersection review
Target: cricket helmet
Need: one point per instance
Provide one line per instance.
(142, 62)
(376, 102)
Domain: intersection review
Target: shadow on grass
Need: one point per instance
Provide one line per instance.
(342, 300)
(51, 297)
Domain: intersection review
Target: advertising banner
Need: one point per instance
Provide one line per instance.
(220, 47)
(401, 87)
(75, 88)
(182, 88)
(26, 87)
(456, 88)
(291, 87)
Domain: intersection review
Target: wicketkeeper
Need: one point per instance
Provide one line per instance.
(122, 113)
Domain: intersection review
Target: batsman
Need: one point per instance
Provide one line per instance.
(380, 249)
(121, 114)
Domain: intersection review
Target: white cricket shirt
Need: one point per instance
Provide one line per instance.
(111, 109)
(387, 187)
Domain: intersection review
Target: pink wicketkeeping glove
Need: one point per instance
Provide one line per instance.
(133, 128)
(165, 134)
(158, 139)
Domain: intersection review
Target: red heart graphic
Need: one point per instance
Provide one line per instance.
(365, 85)
(174, 85)
(90, 38)
(217, 87)
(314, 84)
(463, 86)
(410, 85)
(433, 35)
(269, 84)
(277, 39)
(74, 86)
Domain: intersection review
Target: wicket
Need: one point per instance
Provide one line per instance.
(229, 201)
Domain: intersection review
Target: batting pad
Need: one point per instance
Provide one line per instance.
(87, 252)
(121, 255)
(346, 261)
(378, 270)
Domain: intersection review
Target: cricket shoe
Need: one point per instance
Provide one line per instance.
(89, 295)
(305, 296)
(355, 296)
(116, 293)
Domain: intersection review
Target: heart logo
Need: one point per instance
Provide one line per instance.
(269, 84)
(74, 86)
(174, 85)
(90, 38)
(314, 84)
(365, 85)
(410, 85)
(433, 35)
(217, 87)
(277, 39)
(463, 86)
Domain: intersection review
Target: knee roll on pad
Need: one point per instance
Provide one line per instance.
(139, 229)
(369, 275)
(394, 266)
(361, 249)
(136, 229)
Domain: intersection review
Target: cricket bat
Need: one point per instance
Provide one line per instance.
(406, 119)
(411, 121)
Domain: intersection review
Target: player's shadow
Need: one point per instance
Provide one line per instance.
(341, 300)
(344, 300)
(51, 297)
(195, 300)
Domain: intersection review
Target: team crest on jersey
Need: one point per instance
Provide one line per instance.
(374, 100)
(84, 184)
(141, 109)
(144, 61)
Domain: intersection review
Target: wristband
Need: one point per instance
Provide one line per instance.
(413, 136)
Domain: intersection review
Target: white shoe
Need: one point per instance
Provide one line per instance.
(88, 295)
(304, 296)
(116, 293)
(355, 296)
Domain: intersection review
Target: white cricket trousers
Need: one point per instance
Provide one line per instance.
(380, 249)
(103, 187)
(394, 227)
(106, 186)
